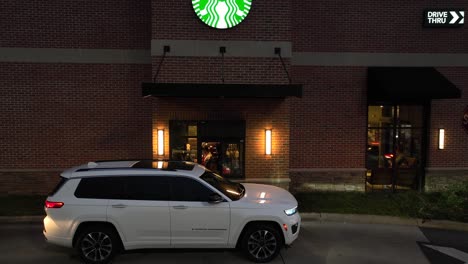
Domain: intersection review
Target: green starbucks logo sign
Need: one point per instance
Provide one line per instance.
(222, 14)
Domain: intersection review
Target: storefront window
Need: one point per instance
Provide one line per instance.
(183, 141)
(394, 146)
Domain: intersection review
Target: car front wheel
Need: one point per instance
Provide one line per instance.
(261, 243)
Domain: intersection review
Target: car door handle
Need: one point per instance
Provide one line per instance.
(119, 206)
(179, 207)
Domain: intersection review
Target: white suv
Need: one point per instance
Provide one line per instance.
(103, 207)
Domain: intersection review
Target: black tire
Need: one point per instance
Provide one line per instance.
(98, 244)
(261, 243)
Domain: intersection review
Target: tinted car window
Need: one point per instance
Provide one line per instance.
(185, 189)
(146, 188)
(100, 188)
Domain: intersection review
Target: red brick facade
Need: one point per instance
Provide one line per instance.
(330, 121)
(56, 115)
(108, 24)
(448, 114)
(373, 26)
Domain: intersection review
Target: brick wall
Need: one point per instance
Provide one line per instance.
(208, 70)
(373, 26)
(33, 182)
(105, 24)
(58, 115)
(450, 165)
(328, 124)
(448, 114)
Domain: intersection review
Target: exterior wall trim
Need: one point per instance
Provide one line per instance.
(264, 180)
(446, 168)
(369, 59)
(57, 55)
(329, 170)
(259, 49)
(32, 170)
(210, 48)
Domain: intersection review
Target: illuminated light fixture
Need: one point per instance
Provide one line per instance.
(262, 195)
(160, 142)
(160, 164)
(268, 141)
(441, 138)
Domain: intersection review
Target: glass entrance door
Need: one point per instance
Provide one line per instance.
(394, 147)
(218, 145)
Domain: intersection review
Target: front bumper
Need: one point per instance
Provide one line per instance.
(294, 226)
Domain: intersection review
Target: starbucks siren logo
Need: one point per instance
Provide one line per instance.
(222, 13)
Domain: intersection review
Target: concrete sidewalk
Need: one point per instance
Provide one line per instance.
(311, 217)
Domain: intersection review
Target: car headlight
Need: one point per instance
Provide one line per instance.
(291, 211)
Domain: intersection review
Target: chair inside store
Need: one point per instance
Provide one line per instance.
(406, 179)
(379, 179)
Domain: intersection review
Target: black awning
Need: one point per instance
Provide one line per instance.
(221, 90)
(408, 84)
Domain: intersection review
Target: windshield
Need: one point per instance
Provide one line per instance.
(233, 190)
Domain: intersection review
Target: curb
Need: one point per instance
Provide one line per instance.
(387, 220)
(313, 217)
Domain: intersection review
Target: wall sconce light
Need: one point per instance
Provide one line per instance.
(268, 141)
(441, 138)
(160, 142)
(160, 164)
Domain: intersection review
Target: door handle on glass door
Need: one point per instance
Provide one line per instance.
(119, 206)
(180, 207)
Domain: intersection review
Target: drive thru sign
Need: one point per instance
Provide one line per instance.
(444, 18)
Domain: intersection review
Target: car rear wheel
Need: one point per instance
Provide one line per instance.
(97, 245)
(261, 243)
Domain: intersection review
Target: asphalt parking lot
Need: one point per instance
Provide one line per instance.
(319, 242)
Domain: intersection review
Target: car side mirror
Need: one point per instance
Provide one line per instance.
(215, 198)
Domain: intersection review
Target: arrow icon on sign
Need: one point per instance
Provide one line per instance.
(462, 13)
(454, 253)
(454, 17)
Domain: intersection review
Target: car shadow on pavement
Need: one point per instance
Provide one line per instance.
(183, 256)
(443, 238)
(436, 257)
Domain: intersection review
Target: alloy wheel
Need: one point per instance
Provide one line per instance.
(96, 246)
(262, 244)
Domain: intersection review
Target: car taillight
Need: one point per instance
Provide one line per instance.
(49, 204)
